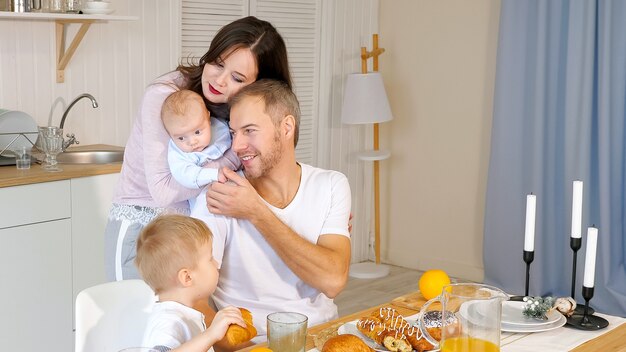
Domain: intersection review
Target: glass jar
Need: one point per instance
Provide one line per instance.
(55, 5)
(73, 6)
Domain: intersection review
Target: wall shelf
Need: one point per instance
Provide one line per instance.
(62, 16)
(62, 20)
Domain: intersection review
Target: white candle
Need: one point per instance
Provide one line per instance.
(529, 234)
(590, 257)
(577, 209)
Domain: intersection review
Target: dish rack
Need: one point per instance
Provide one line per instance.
(17, 136)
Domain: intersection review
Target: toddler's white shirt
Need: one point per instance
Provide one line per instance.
(171, 324)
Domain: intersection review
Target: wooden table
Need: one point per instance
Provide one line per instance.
(614, 340)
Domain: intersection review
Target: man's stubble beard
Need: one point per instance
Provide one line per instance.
(267, 160)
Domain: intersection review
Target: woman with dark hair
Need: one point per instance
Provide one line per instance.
(241, 52)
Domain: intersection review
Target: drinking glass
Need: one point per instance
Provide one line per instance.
(52, 143)
(22, 158)
(286, 331)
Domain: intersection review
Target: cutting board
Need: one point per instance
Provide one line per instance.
(413, 300)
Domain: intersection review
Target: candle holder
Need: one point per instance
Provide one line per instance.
(587, 321)
(529, 256)
(575, 244)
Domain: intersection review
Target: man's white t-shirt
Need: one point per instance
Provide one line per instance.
(171, 324)
(253, 276)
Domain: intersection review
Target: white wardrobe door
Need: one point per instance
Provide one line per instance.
(298, 21)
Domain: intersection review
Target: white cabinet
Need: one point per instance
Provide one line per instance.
(91, 201)
(52, 243)
(36, 268)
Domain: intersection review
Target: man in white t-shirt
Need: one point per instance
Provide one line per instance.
(281, 232)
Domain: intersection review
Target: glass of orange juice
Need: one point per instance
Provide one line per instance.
(471, 318)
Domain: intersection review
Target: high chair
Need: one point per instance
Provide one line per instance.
(112, 316)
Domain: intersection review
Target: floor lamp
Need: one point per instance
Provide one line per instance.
(365, 102)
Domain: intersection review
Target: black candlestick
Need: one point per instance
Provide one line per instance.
(529, 256)
(587, 321)
(575, 244)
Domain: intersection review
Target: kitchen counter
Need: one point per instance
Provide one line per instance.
(11, 176)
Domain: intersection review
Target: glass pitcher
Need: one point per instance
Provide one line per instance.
(471, 315)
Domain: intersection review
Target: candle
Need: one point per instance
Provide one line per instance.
(529, 235)
(590, 257)
(577, 209)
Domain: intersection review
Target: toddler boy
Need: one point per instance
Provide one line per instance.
(175, 258)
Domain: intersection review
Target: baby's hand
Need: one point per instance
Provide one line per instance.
(223, 319)
(220, 175)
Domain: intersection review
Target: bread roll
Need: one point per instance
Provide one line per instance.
(345, 343)
(236, 334)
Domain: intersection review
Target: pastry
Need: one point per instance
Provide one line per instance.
(237, 334)
(375, 329)
(395, 321)
(345, 343)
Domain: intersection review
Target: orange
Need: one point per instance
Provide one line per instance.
(260, 349)
(431, 283)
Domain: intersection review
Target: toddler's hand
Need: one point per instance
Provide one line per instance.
(221, 321)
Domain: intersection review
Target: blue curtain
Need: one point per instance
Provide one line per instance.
(559, 117)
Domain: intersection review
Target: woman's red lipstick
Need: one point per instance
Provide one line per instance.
(213, 90)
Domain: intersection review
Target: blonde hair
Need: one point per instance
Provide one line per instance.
(278, 98)
(168, 244)
(176, 106)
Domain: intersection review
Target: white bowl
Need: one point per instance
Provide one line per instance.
(96, 5)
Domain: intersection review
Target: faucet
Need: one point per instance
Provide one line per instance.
(71, 138)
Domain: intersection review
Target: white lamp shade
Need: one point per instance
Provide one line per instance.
(365, 99)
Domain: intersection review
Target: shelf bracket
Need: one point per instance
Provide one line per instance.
(64, 56)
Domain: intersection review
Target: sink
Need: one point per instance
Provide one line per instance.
(91, 157)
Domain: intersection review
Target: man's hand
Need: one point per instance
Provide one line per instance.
(233, 196)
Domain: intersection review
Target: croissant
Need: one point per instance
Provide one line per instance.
(237, 334)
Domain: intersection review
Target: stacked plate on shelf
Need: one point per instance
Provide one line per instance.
(513, 320)
(96, 7)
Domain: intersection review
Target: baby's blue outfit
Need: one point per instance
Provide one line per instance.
(187, 167)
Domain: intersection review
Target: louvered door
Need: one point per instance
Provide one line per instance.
(298, 21)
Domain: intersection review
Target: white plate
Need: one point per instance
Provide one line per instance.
(533, 328)
(14, 122)
(98, 11)
(350, 328)
(512, 316)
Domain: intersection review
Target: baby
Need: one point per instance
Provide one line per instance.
(200, 144)
(175, 258)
